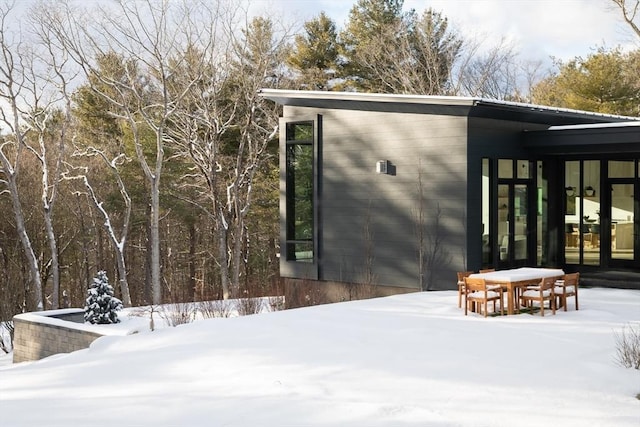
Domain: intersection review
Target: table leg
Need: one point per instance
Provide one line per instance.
(510, 299)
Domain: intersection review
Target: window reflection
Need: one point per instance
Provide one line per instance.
(582, 212)
(590, 235)
(622, 221)
(487, 255)
(299, 172)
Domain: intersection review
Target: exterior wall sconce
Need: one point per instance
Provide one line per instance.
(570, 191)
(382, 167)
(589, 191)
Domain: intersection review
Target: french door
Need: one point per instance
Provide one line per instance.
(513, 224)
(624, 215)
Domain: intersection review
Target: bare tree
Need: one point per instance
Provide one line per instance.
(226, 128)
(149, 36)
(630, 10)
(13, 84)
(118, 242)
(491, 72)
(49, 118)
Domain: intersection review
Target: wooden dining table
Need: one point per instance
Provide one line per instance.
(515, 278)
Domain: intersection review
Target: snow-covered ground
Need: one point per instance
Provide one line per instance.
(406, 360)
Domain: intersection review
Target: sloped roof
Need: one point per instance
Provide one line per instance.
(430, 104)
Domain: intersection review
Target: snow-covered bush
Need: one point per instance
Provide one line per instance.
(101, 305)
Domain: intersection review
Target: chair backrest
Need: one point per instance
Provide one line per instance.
(547, 283)
(571, 279)
(475, 284)
(463, 274)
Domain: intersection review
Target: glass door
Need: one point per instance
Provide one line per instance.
(513, 225)
(623, 213)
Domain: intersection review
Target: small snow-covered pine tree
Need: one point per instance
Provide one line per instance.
(101, 306)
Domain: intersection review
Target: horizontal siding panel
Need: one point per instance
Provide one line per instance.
(431, 149)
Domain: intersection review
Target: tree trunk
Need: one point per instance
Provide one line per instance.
(192, 261)
(224, 259)
(122, 277)
(32, 260)
(154, 228)
(55, 269)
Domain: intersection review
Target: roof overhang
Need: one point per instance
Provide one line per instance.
(618, 137)
(445, 105)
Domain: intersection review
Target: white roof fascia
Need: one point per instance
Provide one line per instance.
(370, 97)
(634, 122)
(281, 95)
(286, 94)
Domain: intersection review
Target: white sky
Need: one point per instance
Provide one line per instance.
(540, 28)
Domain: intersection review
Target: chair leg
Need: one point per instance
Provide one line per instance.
(576, 300)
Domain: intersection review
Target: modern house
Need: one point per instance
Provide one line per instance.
(397, 192)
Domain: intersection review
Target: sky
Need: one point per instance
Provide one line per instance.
(540, 29)
(410, 360)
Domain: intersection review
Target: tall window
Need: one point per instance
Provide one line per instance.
(582, 212)
(299, 172)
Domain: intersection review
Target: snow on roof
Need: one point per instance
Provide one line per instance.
(631, 123)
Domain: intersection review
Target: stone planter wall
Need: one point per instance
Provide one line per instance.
(42, 334)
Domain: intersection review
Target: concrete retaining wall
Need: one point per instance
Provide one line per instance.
(42, 334)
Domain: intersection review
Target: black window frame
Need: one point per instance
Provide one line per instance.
(292, 241)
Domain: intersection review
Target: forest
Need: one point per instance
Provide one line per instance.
(133, 138)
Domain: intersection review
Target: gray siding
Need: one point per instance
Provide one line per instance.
(355, 198)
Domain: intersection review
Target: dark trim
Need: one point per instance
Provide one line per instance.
(584, 141)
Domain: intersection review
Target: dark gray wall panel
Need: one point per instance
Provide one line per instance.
(355, 197)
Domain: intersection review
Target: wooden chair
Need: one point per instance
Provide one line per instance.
(567, 287)
(461, 276)
(540, 293)
(487, 270)
(478, 293)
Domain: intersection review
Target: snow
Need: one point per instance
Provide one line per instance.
(131, 326)
(404, 360)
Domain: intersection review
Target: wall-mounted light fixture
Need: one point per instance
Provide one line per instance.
(590, 191)
(382, 166)
(570, 191)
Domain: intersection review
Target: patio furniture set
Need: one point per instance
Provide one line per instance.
(525, 287)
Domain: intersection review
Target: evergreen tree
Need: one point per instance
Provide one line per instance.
(386, 50)
(315, 54)
(604, 82)
(101, 305)
(374, 28)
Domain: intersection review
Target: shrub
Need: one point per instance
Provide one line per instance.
(101, 305)
(628, 346)
(276, 303)
(6, 336)
(215, 308)
(248, 306)
(178, 313)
